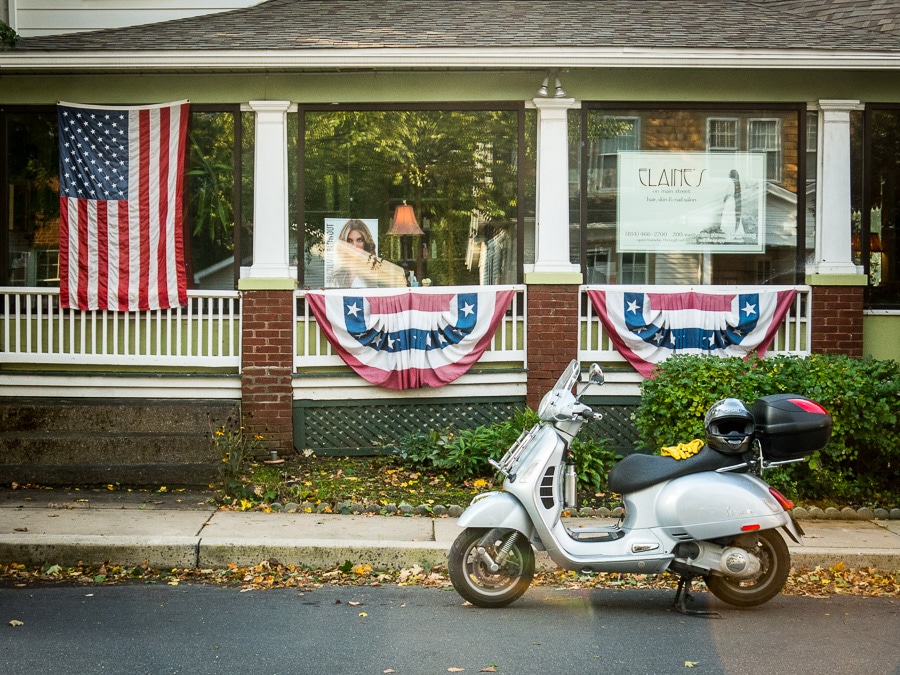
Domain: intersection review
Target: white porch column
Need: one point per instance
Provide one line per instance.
(833, 248)
(270, 269)
(551, 264)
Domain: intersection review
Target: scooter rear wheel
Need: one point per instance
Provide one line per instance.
(772, 551)
(472, 576)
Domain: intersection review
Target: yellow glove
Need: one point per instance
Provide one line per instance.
(682, 450)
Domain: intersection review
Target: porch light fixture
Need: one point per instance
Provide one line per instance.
(558, 92)
(404, 221)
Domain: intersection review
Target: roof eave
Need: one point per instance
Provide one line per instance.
(459, 58)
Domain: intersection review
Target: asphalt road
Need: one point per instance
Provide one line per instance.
(202, 629)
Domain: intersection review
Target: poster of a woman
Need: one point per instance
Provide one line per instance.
(351, 256)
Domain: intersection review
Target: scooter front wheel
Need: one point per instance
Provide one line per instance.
(491, 571)
(775, 559)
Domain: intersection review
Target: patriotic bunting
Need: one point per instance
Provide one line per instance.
(121, 172)
(412, 337)
(647, 328)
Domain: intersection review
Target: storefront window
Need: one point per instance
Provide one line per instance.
(878, 244)
(31, 205)
(688, 196)
(455, 175)
(217, 247)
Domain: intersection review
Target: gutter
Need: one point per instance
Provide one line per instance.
(443, 58)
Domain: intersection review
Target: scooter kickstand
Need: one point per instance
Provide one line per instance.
(683, 594)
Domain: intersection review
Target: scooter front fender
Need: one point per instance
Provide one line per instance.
(497, 509)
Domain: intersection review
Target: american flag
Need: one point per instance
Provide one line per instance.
(121, 172)
(412, 337)
(648, 327)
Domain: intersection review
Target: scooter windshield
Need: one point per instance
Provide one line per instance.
(569, 377)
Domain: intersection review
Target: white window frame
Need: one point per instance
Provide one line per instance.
(775, 153)
(639, 271)
(604, 153)
(712, 135)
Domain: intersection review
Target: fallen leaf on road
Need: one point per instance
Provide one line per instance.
(16, 622)
(690, 664)
(489, 669)
(363, 614)
(455, 670)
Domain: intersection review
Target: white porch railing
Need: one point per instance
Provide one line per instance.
(794, 335)
(313, 351)
(205, 334)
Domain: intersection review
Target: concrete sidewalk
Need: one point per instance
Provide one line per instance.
(186, 531)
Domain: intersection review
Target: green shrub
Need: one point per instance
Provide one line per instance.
(464, 454)
(593, 460)
(862, 395)
(8, 37)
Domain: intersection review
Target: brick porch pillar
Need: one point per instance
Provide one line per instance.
(552, 336)
(267, 366)
(837, 320)
(267, 289)
(838, 285)
(553, 279)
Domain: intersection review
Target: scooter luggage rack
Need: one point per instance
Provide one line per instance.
(511, 458)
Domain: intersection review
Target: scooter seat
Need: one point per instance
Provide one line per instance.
(639, 471)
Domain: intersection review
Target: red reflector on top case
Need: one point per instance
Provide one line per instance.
(808, 406)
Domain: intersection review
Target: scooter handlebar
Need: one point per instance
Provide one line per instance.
(585, 413)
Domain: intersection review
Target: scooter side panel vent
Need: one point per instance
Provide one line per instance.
(546, 489)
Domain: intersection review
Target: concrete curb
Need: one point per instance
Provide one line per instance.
(126, 550)
(812, 557)
(200, 537)
(218, 553)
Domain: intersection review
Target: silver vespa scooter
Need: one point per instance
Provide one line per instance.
(709, 516)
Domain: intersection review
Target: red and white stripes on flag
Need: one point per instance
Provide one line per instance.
(411, 337)
(121, 194)
(649, 327)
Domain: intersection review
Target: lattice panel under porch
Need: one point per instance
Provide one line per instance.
(616, 424)
(374, 427)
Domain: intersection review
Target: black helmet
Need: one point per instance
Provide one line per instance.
(729, 427)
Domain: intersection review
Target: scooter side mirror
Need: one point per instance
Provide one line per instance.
(595, 374)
